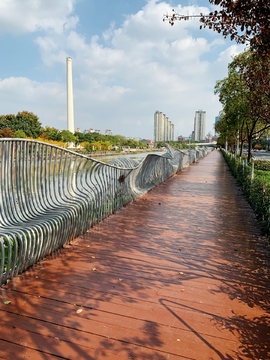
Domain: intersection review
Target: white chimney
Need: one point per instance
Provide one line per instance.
(70, 110)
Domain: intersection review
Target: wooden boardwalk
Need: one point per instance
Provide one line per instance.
(180, 273)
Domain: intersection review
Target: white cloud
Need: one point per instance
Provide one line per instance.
(123, 77)
(47, 100)
(228, 54)
(24, 16)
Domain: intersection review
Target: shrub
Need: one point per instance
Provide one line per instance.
(257, 191)
(19, 134)
(262, 165)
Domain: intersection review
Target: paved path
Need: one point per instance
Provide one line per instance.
(179, 274)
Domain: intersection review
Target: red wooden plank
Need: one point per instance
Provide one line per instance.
(173, 281)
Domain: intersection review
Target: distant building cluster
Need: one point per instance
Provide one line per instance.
(199, 129)
(108, 132)
(210, 138)
(163, 128)
(91, 130)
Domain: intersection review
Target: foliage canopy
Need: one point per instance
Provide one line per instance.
(245, 21)
(25, 121)
(244, 95)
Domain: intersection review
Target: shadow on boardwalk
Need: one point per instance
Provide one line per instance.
(182, 273)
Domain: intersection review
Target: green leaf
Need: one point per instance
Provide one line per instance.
(7, 302)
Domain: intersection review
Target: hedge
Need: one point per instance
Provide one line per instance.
(257, 191)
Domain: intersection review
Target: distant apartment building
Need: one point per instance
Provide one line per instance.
(181, 138)
(199, 125)
(91, 130)
(163, 128)
(78, 130)
(108, 132)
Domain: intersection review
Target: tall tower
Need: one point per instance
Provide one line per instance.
(70, 110)
(199, 125)
(163, 128)
(159, 126)
(156, 129)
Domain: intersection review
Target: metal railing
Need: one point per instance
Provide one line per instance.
(50, 195)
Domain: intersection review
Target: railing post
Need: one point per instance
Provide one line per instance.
(252, 171)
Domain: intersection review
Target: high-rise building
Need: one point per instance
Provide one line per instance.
(158, 126)
(166, 127)
(216, 121)
(163, 128)
(199, 125)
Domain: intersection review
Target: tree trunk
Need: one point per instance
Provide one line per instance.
(241, 148)
(249, 148)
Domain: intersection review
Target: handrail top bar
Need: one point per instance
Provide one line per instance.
(84, 156)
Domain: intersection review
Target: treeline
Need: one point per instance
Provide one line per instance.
(183, 145)
(245, 96)
(27, 125)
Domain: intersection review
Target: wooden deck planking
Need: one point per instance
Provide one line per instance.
(179, 274)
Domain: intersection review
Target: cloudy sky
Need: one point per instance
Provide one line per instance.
(127, 63)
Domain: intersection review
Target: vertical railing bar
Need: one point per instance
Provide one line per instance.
(3, 184)
(6, 168)
(24, 182)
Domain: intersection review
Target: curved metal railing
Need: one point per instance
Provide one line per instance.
(50, 195)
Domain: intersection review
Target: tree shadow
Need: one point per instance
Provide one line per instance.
(253, 334)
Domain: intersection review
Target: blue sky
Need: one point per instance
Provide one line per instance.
(127, 63)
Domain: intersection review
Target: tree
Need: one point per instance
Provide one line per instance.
(8, 122)
(243, 20)
(232, 96)
(131, 142)
(25, 121)
(160, 144)
(143, 145)
(255, 74)
(121, 139)
(49, 133)
(113, 139)
(6, 133)
(29, 123)
(66, 136)
(80, 136)
(242, 113)
(19, 134)
(89, 138)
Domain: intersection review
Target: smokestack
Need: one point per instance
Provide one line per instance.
(70, 110)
